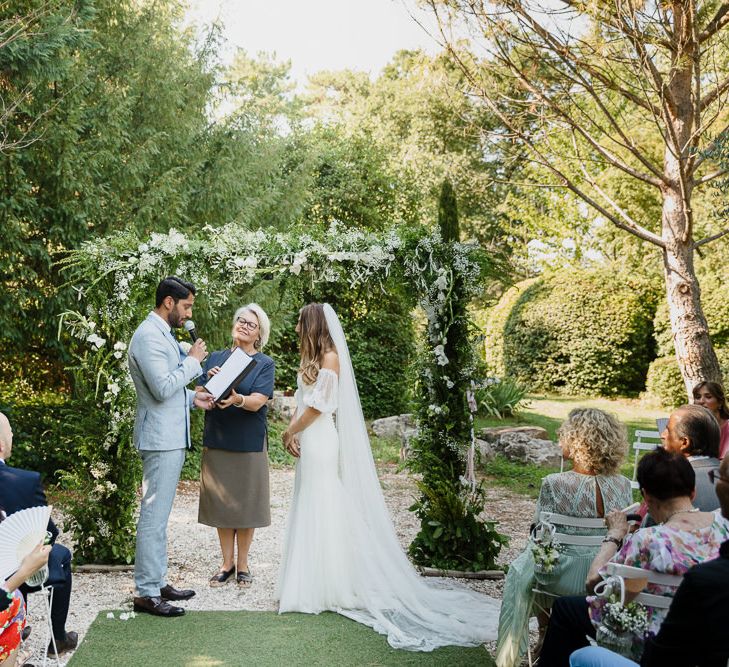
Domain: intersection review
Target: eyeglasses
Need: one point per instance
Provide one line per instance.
(714, 475)
(245, 323)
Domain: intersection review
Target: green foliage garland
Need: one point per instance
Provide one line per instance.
(115, 279)
(451, 536)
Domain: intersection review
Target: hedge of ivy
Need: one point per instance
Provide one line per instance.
(492, 323)
(587, 331)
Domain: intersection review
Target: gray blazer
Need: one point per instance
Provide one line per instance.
(161, 372)
(706, 499)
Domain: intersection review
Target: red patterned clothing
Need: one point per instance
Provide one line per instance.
(12, 622)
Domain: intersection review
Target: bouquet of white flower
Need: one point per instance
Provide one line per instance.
(546, 555)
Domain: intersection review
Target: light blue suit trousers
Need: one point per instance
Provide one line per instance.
(159, 485)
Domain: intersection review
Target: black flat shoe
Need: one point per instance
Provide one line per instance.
(222, 577)
(244, 579)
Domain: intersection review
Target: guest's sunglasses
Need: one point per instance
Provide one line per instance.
(714, 475)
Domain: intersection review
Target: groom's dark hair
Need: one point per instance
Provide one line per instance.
(174, 287)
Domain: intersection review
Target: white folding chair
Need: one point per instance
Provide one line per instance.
(627, 572)
(548, 528)
(46, 593)
(646, 441)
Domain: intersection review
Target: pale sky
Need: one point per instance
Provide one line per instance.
(320, 34)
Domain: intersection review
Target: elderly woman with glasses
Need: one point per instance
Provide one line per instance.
(234, 485)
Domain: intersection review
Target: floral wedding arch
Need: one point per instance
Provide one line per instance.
(114, 278)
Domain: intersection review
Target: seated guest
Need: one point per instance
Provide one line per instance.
(20, 489)
(12, 605)
(596, 444)
(711, 396)
(683, 538)
(694, 432)
(694, 632)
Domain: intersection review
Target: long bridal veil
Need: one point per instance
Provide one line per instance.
(415, 614)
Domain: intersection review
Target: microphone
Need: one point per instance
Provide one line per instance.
(190, 328)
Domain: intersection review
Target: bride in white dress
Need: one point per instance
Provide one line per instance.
(341, 552)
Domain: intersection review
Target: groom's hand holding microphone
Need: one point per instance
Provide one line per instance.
(199, 351)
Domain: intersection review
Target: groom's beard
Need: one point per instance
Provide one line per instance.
(175, 320)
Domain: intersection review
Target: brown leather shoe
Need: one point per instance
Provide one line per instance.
(63, 645)
(156, 606)
(171, 593)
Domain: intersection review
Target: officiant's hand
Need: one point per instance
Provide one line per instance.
(204, 400)
(213, 371)
(233, 399)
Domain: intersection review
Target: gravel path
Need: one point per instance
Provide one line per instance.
(194, 553)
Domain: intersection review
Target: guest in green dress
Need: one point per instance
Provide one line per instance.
(596, 443)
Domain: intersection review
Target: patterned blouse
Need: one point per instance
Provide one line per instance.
(668, 550)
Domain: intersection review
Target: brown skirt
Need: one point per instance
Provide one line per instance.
(234, 490)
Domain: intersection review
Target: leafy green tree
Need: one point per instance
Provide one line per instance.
(582, 102)
(425, 131)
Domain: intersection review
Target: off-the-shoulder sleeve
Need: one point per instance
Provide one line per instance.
(324, 396)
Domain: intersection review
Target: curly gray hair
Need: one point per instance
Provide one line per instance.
(594, 439)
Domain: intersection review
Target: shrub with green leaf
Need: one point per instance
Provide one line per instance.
(501, 397)
(582, 331)
(665, 382)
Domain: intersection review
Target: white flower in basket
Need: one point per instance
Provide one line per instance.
(623, 625)
(546, 552)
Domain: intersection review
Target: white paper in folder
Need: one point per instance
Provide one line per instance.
(235, 368)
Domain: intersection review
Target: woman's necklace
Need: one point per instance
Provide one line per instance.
(672, 514)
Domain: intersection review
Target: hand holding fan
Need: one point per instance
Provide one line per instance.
(20, 533)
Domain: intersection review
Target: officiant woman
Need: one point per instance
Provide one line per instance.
(234, 487)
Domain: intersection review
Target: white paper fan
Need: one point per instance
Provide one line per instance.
(20, 533)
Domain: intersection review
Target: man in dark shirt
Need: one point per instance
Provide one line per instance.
(694, 633)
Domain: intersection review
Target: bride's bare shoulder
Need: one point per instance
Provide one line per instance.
(330, 360)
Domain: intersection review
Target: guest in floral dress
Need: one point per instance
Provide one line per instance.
(683, 538)
(596, 443)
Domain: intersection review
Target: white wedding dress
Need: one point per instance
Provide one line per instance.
(341, 552)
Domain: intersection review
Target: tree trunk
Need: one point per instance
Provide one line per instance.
(694, 351)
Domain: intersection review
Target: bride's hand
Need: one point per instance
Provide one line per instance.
(291, 443)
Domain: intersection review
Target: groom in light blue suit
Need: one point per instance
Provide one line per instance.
(161, 372)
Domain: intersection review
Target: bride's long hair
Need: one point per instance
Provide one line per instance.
(315, 340)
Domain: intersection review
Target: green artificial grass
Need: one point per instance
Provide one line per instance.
(238, 638)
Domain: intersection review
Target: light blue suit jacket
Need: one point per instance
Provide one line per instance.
(161, 373)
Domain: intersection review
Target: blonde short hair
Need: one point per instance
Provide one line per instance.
(594, 439)
(264, 324)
